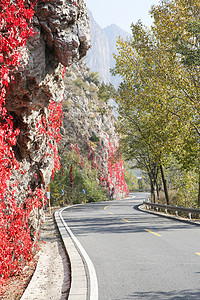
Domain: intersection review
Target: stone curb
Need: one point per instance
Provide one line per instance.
(31, 285)
(162, 214)
(84, 284)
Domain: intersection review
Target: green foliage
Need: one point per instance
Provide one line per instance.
(106, 92)
(186, 186)
(94, 139)
(130, 178)
(102, 111)
(84, 178)
(79, 82)
(159, 96)
(94, 77)
(94, 193)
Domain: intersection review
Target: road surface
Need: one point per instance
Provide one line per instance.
(138, 255)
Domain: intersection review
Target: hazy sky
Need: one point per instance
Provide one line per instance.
(121, 12)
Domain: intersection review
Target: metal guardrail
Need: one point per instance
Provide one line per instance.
(188, 210)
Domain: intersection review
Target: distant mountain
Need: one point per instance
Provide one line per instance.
(113, 32)
(100, 57)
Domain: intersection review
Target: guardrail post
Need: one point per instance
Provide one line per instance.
(176, 209)
(176, 212)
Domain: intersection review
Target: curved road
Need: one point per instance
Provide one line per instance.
(138, 255)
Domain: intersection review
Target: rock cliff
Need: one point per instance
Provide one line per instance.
(62, 36)
(89, 128)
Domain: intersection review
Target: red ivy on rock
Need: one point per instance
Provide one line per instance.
(16, 245)
(115, 176)
(71, 176)
(53, 132)
(111, 176)
(50, 128)
(15, 241)
(80, 157)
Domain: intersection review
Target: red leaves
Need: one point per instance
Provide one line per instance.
(114, 177)
(51, 129)
(54, 123)
(80, 157)
(112, 174)
(15, 240)
(115, 170)
(63, 72)
(71, 176)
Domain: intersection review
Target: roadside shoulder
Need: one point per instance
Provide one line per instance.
(169, 216)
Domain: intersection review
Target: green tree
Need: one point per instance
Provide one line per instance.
(84, 178)
(106, 92)
(160, 72)
(130, 177)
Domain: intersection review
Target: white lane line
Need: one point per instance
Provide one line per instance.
(93, 284)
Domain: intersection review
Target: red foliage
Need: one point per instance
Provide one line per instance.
(113, 177)
(15, 242)
(51, 129)
(53, 132)
(80, 157)
(71, 176)
(16, 245)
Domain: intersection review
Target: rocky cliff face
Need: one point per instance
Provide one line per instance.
(88, 127)
(61, 37)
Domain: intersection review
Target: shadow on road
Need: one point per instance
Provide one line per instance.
(184, 295)
(94, 219)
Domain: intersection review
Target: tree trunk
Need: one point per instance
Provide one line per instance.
(152, 192)
(164, 185)
(157, 192)
(199, 192)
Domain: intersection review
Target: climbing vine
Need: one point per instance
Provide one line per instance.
(16, 245)
(115, 179)
(111, 175)
(50, 128)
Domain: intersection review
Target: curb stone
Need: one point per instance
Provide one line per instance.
(84, 284)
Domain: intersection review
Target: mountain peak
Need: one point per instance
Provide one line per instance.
(100, 56)
(112, 26)
(116, 31)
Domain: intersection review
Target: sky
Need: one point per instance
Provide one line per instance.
(121, 12)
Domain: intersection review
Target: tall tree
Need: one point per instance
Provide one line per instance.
(160, 72)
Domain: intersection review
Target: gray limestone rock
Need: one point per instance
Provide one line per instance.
(62, 36)
(85, 116)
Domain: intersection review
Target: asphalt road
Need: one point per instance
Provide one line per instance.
(138, 255)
